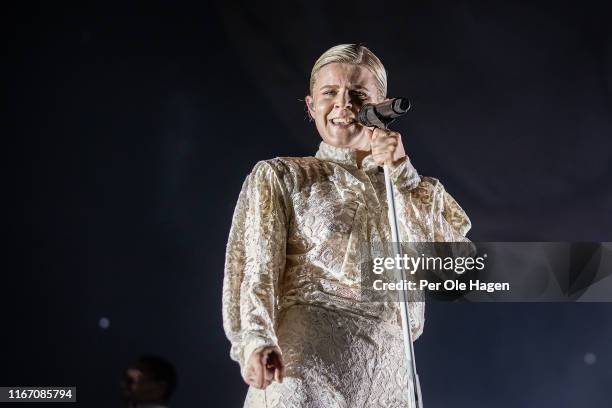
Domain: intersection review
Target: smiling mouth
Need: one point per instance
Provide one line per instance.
(343, 122)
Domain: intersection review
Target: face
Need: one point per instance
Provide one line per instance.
(138, 387)
(339, 92)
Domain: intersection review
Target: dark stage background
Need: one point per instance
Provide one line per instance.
(129, 128)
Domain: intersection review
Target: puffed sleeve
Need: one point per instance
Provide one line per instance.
(426, 213)
(429, 213)
(254, 263)
(450, 222)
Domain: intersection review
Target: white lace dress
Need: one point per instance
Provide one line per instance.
(292, 279)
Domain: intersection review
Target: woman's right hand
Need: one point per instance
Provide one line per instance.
(264, 366)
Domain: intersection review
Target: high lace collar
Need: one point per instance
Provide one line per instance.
(344, 156)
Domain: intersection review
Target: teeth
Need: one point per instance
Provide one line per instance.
(342, 121)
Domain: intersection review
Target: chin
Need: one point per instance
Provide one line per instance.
(343, 139)
(336, 141)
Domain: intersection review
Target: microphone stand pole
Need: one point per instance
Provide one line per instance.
(403, 295)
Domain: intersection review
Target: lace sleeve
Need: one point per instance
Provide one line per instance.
(451, 223)
(254, 260)
(426, 213)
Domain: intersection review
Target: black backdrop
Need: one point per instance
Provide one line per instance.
(129, 128)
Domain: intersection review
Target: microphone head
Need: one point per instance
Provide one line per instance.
(381, 114)
(401, 105)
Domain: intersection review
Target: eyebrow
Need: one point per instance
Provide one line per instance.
(336, 86)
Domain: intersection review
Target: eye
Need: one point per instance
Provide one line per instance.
(360, 94)
(329, 92)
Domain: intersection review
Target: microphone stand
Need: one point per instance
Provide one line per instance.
(403, 295)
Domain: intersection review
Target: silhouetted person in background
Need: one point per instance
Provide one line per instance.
(149, 382)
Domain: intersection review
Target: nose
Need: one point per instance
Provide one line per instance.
(343, 100)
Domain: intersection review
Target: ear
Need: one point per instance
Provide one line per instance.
(310, 105)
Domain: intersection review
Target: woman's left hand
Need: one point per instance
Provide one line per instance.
(386, 146)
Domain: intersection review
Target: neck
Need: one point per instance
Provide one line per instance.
(360, 155)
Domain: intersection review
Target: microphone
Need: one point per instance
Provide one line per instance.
(380, 115)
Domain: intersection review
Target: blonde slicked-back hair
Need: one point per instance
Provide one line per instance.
(352, 54)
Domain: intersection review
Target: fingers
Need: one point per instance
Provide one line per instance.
(370, 132)
(384, 140)
(386, 146)
(253, 379)
(275, 368)
(278, 376)
(264, 367)
(254, 375)
(268, 367)
(382, 158)
(258, 369)
(384, 134)
(279, 370)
